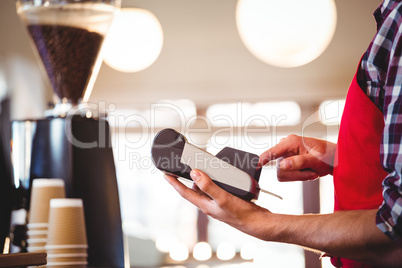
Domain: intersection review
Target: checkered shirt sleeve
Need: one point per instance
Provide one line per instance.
(382, 65)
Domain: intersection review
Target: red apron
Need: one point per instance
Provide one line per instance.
(358, 173)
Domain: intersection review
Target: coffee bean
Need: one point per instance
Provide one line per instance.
(69, 55)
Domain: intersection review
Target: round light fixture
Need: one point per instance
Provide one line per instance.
(135, 40)
(164, 243)
(286, 33)
(248, 251)
(202, 251)
(225, 251)
(179, 252)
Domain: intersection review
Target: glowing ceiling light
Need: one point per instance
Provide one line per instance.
(135, 40)
(225, 251)
(248, 251)
(179, 252)
(165, 243)
(202, 251)
(286, 33)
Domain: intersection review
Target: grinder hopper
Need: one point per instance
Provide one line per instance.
(68, 37)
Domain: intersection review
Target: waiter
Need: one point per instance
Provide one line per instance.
(366, 228)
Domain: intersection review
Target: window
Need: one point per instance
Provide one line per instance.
(152, 211)
(273, 253)
(286, 113)
(331, 111)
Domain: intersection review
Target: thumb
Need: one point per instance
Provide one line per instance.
(206, 185)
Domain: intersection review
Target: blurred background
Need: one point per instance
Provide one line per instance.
(202, 75)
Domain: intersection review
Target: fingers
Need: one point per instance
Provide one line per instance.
(295, 168)
(296, 175)
(265, 157)
(272, 154)
(192, 195)
(202, 192)
(177, 185)
(296, 162)
(285, 147)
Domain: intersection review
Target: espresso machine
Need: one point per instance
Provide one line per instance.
(72, 141)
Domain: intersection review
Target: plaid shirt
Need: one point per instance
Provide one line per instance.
(381, 75)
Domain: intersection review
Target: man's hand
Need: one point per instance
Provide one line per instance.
(348, 234)
(301, 158)
(219, 204)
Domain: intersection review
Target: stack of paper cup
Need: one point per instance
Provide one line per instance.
(67, 240)
(43, 190)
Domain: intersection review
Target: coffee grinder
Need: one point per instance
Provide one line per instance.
(68, 143)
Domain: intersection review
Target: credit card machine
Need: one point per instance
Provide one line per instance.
(233, 170)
